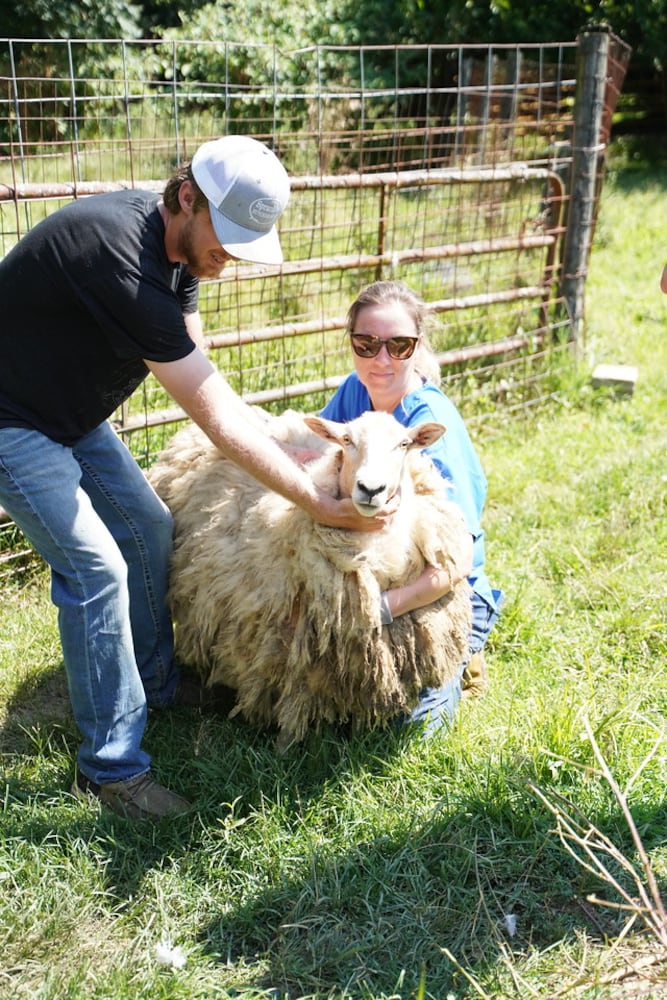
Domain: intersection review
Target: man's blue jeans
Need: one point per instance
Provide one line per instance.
(92, 516)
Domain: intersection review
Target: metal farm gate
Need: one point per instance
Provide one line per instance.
(472, 173)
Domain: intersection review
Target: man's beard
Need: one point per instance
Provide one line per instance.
(197, 266)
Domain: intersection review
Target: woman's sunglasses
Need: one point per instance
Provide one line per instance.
(399, 348)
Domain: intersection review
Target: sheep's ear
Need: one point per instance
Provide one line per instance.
(327, 429)
(425, 434)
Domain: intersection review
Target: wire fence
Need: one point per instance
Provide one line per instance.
(472, 173)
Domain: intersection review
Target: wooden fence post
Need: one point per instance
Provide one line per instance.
(586, 155)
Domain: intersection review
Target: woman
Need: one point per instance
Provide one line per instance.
(397, 371)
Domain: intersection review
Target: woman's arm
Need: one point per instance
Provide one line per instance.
(433, 583)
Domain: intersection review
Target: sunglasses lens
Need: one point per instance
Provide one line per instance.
(365, 347)
(401, 348)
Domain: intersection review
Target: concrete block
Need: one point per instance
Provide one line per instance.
(621, 378)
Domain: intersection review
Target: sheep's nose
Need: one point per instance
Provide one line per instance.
(368, 491)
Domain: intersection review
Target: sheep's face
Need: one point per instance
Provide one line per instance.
(374, 449)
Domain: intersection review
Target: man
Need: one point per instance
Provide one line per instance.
(94, 297)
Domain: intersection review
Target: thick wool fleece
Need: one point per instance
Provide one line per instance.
(287, 611)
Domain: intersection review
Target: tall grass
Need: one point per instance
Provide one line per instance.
(383, 866)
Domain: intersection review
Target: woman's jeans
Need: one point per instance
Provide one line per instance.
(92, 516)
(436, 707)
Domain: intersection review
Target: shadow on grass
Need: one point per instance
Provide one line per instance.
(370, 902)
(385, 913)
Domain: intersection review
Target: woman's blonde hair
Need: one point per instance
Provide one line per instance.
(383, 292)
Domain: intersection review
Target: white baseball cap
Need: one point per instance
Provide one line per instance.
(247, 189)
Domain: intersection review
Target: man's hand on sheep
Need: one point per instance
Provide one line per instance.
(343, 514)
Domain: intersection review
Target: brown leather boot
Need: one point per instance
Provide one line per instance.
(139, 798)
(475, 680)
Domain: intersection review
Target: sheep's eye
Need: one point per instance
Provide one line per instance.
(347, 440)
(405, 444)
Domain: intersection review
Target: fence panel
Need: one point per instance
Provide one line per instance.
(457, 169)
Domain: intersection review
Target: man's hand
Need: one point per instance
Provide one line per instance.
(343, 514)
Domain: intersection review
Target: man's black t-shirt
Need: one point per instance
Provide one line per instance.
(84, 297)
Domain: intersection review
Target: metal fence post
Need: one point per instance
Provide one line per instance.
(586, 156)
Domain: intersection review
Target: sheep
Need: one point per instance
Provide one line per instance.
(286, 611)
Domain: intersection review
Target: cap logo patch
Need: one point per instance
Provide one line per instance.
(264, 211)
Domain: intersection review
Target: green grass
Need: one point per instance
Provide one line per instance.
(379, 866)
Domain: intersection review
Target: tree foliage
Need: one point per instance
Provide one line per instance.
(300, 24)
(73, 19)
(641, 23)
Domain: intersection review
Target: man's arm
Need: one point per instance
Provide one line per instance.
(193, 325)
(196, 385)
